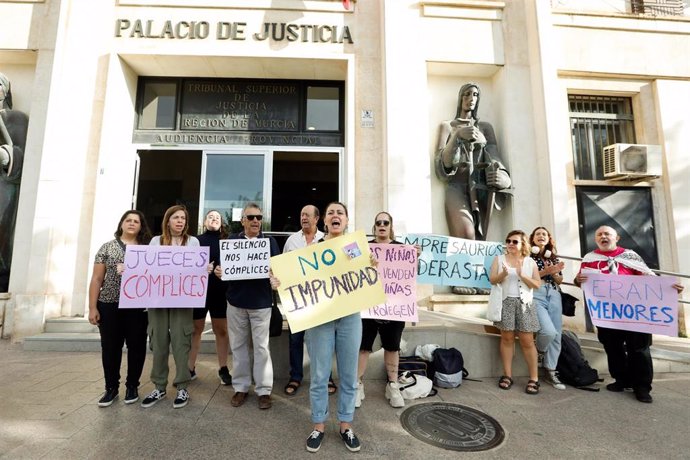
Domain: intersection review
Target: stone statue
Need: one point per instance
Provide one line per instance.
(13, 128)
(469, 161)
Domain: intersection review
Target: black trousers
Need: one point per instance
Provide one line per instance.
(120, 326)
(629, 358)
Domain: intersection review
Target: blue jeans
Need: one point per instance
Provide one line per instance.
(550, 311)
(342, 336)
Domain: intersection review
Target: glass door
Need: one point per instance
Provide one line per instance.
(230, 180)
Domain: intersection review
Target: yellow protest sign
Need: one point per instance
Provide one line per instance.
(327, 281)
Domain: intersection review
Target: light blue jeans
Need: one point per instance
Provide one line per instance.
(549, 311)
(342, 336)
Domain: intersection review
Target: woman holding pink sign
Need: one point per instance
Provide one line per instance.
(171, 326)
(117, 326)
(390, 331)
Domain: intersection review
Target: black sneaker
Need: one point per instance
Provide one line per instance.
(153, 397)
(351, 441)
(108, 398)
(225, 377)
(643, 396)
(314, 441)
(182, 398)
(131, 395)
(617, 387)
(192, 374)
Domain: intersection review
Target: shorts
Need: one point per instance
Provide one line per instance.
(217, 312)
(516, 318)
(390, 331)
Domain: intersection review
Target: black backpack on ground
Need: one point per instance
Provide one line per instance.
(573, 369)
(450, 367)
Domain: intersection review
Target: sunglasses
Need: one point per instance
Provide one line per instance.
(516, 242)
(254, 217)
(385, 223)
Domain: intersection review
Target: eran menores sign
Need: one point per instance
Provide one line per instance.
(633, 303)
(164, 277)
(327, 281)
(397, 267)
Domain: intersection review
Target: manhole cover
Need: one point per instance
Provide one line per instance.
(452, 427)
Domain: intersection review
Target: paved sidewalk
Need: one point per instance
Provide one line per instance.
(48, 410)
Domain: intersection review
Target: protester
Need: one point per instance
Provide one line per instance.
(171, 327)
(627, 352)
(342, 336)
(390, 331)
(249, 318)
(118, 326)
(308, 234)
(548, 302)
(215, 302)
(518, 276)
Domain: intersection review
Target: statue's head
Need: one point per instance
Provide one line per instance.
(468, 89)
(5, 93)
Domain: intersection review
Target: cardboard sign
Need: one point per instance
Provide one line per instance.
(164, 277)
(452, 261)
(398, 272)
(327, 281)
(244, 259)
(633, 303)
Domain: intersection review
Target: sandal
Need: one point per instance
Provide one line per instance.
(332, 387)
(532, 387)
(505, 382)
(292, 387)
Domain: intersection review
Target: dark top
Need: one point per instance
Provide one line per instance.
(392, 242)
(215, 295)
(252, 294)
(540, 265)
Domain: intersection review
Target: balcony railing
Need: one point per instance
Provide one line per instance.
(658, 7)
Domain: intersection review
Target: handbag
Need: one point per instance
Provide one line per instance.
(568, 304)
(495, 306)
(415, 386)
(275, 328)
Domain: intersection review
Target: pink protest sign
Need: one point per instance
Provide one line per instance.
(633, 303)
(164, 277)
(398, 271)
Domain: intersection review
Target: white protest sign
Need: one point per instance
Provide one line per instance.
(244, 259)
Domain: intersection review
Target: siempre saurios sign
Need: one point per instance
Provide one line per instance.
(223, 30)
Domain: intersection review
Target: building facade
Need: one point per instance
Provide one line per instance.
(144, 104)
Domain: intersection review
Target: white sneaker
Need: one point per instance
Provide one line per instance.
(393, 395)
(359, 397)
(552, 378)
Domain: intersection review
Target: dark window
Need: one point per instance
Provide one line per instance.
(323, 108)
(629, 210)
(658, 7)
(158, 106)
(595, 122)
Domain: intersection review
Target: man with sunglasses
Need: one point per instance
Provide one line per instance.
(249, 315)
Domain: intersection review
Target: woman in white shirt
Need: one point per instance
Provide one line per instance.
(518, 276)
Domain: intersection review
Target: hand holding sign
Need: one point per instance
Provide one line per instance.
(327, 281)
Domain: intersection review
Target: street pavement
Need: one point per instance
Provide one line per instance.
(48, 410)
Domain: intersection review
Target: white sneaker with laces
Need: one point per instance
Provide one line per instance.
(552, 378)
(359, 397)
(393, 395)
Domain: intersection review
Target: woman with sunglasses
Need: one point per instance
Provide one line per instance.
(518, 275)
(390, 331)
(118, 326)
(548, 301)
(171, 326)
